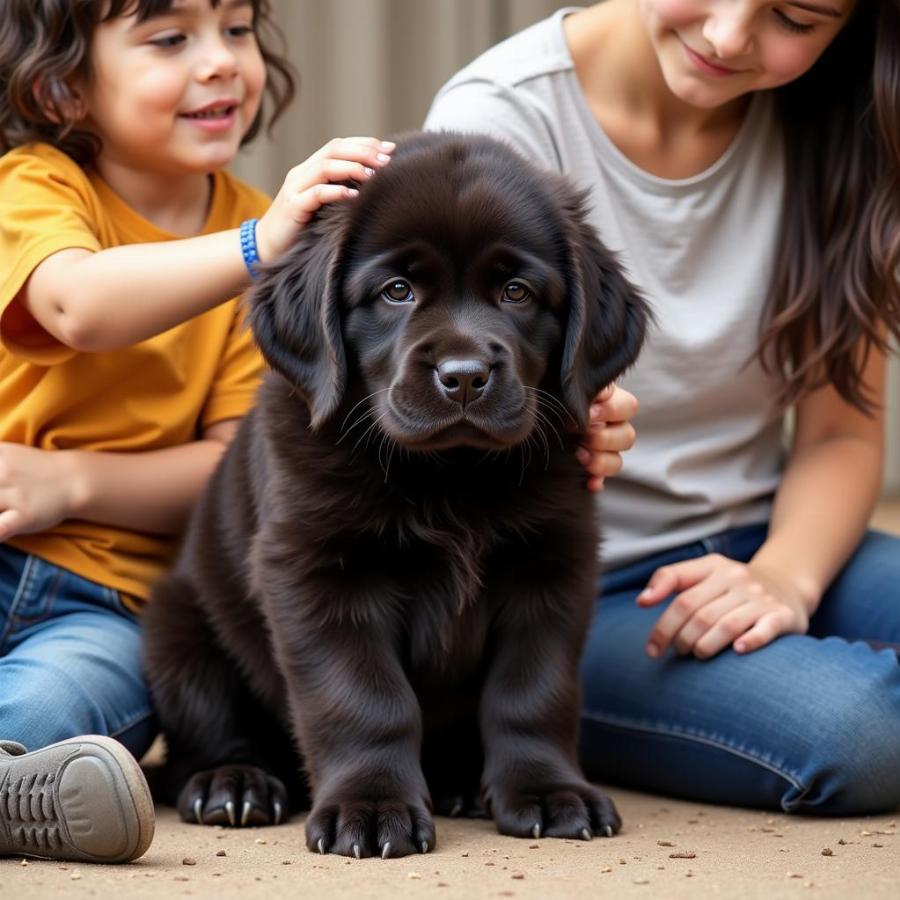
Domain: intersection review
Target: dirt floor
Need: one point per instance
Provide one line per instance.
(667, 849)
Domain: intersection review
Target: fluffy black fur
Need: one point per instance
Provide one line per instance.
(387, 585)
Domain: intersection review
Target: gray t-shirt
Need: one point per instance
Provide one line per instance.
(709, 451)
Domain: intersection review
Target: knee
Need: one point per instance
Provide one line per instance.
(853, 765)
(47, 704)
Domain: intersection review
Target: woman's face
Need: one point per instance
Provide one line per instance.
(713, 51)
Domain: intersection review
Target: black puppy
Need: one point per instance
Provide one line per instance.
(389, 580)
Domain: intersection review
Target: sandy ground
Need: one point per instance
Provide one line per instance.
(668, 849)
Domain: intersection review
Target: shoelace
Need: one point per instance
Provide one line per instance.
(27, 805)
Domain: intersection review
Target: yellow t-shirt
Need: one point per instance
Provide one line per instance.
(159, 393)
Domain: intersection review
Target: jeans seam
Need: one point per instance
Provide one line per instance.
(701, 739)
(135, 721)
(51, 594)
(113, 599)
(22, 588)
(28, 577)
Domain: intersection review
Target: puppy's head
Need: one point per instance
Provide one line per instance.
(461, 296)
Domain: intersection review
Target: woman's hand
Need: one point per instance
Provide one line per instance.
(609, 434)
(36, 489)
(720, 602)
(310, 185)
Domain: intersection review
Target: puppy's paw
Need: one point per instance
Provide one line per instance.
(570, 810)
(237, 795)
(363, 828)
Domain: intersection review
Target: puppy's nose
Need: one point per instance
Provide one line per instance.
(463, 380)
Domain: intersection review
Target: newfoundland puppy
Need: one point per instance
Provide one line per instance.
(383, 594)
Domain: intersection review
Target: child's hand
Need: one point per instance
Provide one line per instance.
(309, 186)
(721, 602)
(36, 489)
(610, 433)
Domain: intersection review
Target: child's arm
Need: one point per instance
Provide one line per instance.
(117, 297)
(149, 491)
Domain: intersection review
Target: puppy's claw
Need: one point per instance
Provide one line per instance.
(457, 807)
(229, 811)
(607, 830)
(424, 846)
(586, 835)
(386, 850)
(198, 810)
(536, 831)
(245, 812)
(276, 806)
(356, 851)
(321, 846)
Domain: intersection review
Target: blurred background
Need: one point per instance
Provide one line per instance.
(371, 67)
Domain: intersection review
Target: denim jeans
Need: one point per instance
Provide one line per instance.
(70, 658)
(809, 723)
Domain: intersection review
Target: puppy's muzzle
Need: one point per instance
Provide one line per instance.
(456, 391)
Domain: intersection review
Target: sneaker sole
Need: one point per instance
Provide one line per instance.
(103, 808)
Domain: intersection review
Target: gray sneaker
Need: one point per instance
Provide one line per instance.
(83, 799)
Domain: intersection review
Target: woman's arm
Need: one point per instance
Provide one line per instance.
(822, 507)
(829, 490)
(150, 491)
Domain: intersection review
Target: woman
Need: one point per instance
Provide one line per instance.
(742, 158)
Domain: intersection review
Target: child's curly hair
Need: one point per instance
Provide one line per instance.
(44, 43)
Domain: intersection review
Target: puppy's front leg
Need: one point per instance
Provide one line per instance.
(358, 724)
(532, 783)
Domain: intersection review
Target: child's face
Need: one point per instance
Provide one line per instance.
(176, 93)
(712, 51)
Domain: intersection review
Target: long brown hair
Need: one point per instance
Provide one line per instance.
(836, 283)
(44, 43)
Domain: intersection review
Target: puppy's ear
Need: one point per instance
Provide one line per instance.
(295, 315)
(607, 317)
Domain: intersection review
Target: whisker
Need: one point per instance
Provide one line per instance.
(367, 397)
(392, 444)
(539, 429)
(366, 414)
(381, 443)
(362, 417)
(366, 435)
(526, 457)
(544, 420)
(558, 406)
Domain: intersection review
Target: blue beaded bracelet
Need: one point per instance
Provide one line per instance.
(248, 246)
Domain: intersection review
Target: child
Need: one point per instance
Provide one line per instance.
(124, 365)
(743, 160)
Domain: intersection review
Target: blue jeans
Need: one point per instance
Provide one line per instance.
(809, 723)
(70, 658)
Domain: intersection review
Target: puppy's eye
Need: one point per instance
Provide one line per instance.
(398, 291)
(515, 292)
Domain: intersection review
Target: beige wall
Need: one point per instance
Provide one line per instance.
(372, 67)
